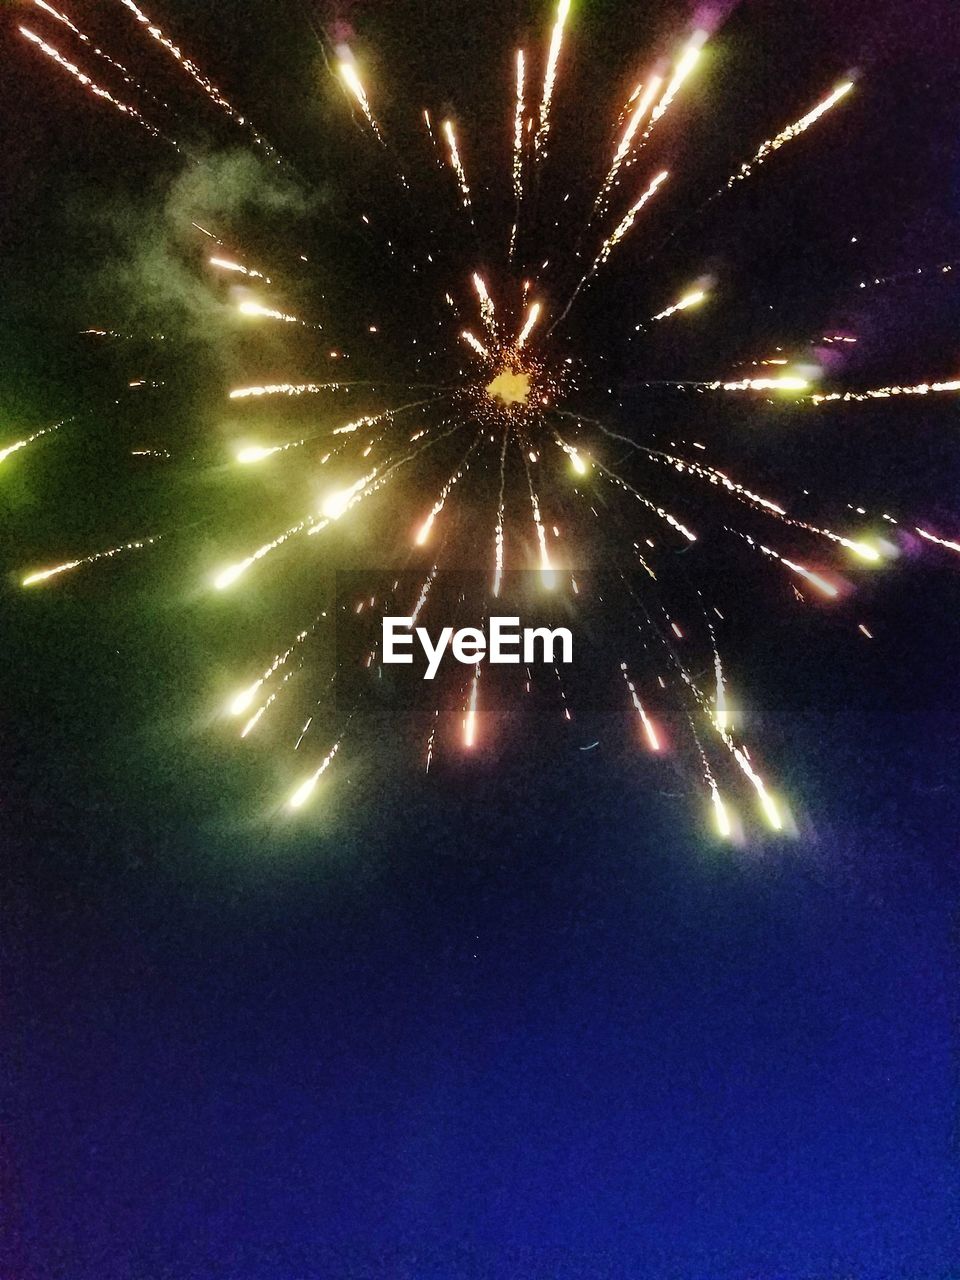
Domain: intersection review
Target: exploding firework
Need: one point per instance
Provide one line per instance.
(494, 467)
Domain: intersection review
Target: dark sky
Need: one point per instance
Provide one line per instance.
(522, 1017)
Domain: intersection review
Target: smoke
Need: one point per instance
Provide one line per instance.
(152, 274)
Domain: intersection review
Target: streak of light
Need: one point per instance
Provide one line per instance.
(533, 315)
(550, 76)
(637, 117)
(227, 264)
(517, 152)
(42, 575)
(192, 70)
(688, 300)
(648, 727)
(885, 393)
(940, 542)
(473, 341)
(306, 789)
(36, 435)
(470, 720)
(97, 90)
(456, 163)
(790, 132)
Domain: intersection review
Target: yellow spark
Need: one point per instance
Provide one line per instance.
(626, 142)
(688, 300)
(688, 60)
(256, 452)
(424, 531)
(578, 464)
(248, 308)
(517, 150)
(550, 76)
(283, 389)
(348, 73)
(475, 342)
(720, 701)
(22, 444)
(862, 549)
(790, 132)
(305, 790)
(209, 88)
(720, 815)
(243, 699)
(98, 92)
(42, 575)
(227, 577)
(627, 221)
(533, 315)
(486, 304)
(227, 264)
(885, 393)
(336, 503)
(456, 162)
(788, 382)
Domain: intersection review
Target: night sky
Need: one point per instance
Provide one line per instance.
(523, 1016)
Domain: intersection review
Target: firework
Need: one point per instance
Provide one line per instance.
(606, 490)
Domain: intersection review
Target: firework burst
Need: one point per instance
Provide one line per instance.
(496, 469)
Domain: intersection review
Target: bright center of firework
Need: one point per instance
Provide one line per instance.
(510, 386)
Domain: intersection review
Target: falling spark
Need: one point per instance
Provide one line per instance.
(688, 60)
(885, 393)
(227, 577)
(688, 300)
(821, 584)
(125, 74)
(42, 575)
(306, 789)
(351, 79)
(36, 435)
(790, 132)
(424, 532)
(227, 264)
(475, 342)
(244, 699)
(99, 92)
(248, 308)
(338, 503)
(284, 389)
(456, 163)
(626, 142)
(940, 542)
(210, 89)
(628, 219)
